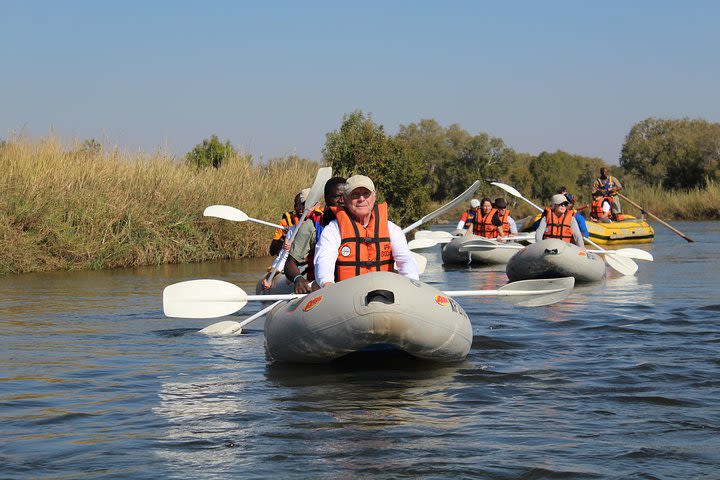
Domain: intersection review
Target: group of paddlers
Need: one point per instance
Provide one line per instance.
(560, 220)
(352, 235)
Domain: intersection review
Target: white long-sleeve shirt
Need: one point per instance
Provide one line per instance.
(326, 253)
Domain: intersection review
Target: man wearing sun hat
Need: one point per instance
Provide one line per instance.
(361, 239)
(558, 222)
(466, 219)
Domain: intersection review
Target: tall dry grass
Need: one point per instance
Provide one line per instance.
(67, 208)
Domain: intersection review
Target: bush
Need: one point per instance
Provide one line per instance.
(210, 153)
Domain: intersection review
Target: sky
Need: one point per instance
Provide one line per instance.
(274, 77)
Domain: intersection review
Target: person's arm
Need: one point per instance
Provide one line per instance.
(618, 185)
(513, 226)
(582, 225)
(326, 253)
(406, 265)
(463, 219)
(542, 226)
(577, 236)
(298, 253)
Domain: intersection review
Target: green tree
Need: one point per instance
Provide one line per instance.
(361, 147)
(673, 153)
(210, 153)
(452, 158)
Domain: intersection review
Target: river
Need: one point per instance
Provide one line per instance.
(620, 380)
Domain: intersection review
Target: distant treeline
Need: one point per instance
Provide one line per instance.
(427, 162)
(89, 206)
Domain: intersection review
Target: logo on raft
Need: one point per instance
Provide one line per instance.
(442, 300)
(312, 303)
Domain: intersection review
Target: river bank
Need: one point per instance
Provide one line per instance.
(76, 209)
(69, 209)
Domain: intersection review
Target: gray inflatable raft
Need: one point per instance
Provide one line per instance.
(451, 254)
(378, 309)
(553, 258)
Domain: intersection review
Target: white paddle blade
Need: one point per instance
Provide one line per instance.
(226, 328)
(436, 235)
(419, 243)
(420, 262)
(202, 299)
(634, 253)
(526, 293)
(626, 266)
(318, 188)
(536, 293)
(430, 216)
(225, 212)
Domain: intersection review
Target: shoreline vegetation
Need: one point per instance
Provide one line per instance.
(73, 208)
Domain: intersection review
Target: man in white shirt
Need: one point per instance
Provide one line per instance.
(360, 208)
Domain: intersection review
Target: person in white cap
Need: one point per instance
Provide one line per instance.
(361, 239)
(558, 222)
(467, 217)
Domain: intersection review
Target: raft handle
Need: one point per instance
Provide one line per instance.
(383, 296)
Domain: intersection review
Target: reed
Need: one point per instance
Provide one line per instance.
(68, 208)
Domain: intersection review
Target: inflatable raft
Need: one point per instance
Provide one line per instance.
(553, 258)
(376, 310)
(452, 254)
(629, 230)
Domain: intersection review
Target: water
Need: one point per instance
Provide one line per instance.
(621, 380)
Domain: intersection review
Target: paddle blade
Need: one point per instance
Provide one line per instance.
(536, 293)
(225, 212)
(419, 243)
(634, 253)
(318, 187)
(437, 235)
(202, 299)
(421, 262)
(226, 328)
(626, 266)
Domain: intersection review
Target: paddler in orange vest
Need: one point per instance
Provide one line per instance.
(494, 220)
(288, 220)
(558, 222)
(361, 239)
(600, 208)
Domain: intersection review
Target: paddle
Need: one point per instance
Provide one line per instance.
(656, 218)
(230, 328)
(483, 245)
(626, 266)
(234, 215)
(316, 193)
(215, 298)
(460, 198)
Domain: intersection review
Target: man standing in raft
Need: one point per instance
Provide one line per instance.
(361, 239)
(609, 186)
(558, 222)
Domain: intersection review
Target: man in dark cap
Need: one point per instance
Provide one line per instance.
(503, 219)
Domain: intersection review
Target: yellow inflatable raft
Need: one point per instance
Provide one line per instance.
(629, 230)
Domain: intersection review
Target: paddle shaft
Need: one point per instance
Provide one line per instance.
(656, 218)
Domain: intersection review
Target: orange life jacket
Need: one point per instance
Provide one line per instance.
(484, 227)
(363, 249)
(288, 220)
(596, 210)
(558, 227)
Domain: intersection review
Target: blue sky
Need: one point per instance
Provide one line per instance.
(273, 77)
